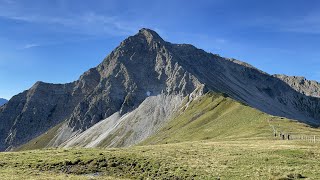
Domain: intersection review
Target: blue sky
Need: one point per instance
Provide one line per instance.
(57, 40)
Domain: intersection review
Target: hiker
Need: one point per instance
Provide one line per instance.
(282, 136)
(288, 136)
(275, 134)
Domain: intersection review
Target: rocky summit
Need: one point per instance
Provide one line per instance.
(137, 88)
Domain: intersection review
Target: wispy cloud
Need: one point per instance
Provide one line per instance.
(309, 23)
(88, 22)
(28, 46)
(306, 24)
(8, 1)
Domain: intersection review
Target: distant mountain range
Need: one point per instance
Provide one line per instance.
(141, 86)
(3, 101)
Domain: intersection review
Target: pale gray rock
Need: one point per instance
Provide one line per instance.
(33, 112)
(130, 128)
(301, 84)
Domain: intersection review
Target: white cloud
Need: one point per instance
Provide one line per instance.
(221, 41)
(82, 22)
(8, 1)
(309, 23)
(89, 23)
(28, 46)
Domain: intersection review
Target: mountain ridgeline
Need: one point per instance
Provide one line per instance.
(138, 88)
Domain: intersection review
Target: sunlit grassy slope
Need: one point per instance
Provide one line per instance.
(41, 141)
(214, 116)
(212, 137)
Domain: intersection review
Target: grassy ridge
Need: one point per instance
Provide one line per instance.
(214, 116)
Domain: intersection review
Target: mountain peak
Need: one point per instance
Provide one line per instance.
(144, 38)
(149, 35)
(148, 32)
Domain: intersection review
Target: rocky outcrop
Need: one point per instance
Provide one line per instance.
(43, 106)
(301, 84)
(142, 75)
(32, 112)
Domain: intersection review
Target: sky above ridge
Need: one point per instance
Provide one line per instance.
(57, 40)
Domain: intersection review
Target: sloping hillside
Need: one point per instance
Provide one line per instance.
(215, 116)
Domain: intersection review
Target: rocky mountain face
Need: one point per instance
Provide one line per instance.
(136, 89)
(3, 101)
(301, 84)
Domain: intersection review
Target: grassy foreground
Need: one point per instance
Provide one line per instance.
(246, 159)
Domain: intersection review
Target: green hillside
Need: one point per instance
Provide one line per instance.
(215, 116)
(41, 141)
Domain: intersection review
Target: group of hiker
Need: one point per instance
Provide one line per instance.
(282, 136)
